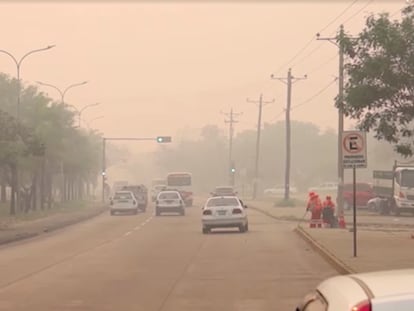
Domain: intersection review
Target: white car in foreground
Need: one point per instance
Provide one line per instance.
(169, 202)
(372, 291)
(123, 201)
(224, 212)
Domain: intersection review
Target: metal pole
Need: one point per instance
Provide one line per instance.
(355, 211)
(103, 168)
(231, 148)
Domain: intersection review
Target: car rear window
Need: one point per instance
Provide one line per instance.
(168, 196)
(222, 202)
(123, 196)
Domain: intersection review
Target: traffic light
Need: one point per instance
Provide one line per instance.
(163, 139)
(233, 170)
(103, 173)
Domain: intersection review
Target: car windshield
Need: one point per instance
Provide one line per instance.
(222, 202)
(122, 196)
(407, 178)
(168, 196)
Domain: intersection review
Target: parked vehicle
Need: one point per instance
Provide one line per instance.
(364, 193)
(397, 187)
(279, 190)
(325, 187)
(381, 290)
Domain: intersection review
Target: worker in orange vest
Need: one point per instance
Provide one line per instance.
(315, 207)
(328, 212)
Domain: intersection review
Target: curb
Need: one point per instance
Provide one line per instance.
(334, 261)
(19, 236)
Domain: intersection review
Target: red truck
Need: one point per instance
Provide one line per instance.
(364, 193)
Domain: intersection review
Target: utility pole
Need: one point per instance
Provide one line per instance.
(231, 115)
(288, 81)
(259, 127)
(339, 42)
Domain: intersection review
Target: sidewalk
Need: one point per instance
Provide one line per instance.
(379, 247)
(12, 231)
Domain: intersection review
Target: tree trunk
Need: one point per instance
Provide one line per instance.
(33, 192)
(13, 189)
(42, 183)
(3, 193)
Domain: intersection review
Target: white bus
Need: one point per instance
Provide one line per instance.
(182, 182)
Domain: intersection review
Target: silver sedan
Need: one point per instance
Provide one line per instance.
(224, 212)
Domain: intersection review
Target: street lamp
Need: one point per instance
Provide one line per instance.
(18, 66)
(82, 110)
(90, 121)
(62, 93)
(18, 63)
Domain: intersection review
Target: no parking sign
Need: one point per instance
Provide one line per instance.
(354, 151)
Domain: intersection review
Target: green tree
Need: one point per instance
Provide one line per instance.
(380, 88)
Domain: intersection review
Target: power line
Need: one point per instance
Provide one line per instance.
(315, 95)
(339, 16)
(323, 64)
(313, 39)
(357, 12)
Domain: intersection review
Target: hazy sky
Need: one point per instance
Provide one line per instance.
(158, 67)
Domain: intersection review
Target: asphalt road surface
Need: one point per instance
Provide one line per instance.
(148, 263)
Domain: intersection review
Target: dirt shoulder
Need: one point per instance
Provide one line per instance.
(23, 226)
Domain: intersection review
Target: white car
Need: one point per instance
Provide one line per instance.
(279, 190)
(372, 291)
(169, 202)
(326, 186)
(123, 201)
(224, 212)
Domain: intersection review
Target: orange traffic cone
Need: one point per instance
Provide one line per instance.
(341, 221)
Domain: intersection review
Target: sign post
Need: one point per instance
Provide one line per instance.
(354, 155)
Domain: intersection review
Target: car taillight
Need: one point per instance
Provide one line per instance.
(401, 195)
(207, 212)
(363, 306)
(237, 211)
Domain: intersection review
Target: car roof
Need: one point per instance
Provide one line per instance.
(223, 197)
(123, 191)
(169, 191)
(358, 287)
(389, 283)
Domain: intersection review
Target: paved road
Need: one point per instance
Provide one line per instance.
(159, 263)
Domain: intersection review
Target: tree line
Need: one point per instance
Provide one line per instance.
(44, 157)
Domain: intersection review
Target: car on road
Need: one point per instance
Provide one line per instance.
(371, 291)
(224, 212)
(224, 191)
(169, 201)
(141, 194)
(123, 201)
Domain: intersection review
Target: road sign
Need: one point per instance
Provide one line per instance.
(354, 151)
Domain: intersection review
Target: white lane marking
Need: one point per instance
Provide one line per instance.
(128, 233)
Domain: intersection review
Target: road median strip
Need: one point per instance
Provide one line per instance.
(31, 229)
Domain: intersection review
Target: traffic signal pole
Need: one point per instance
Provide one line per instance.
(158, 139)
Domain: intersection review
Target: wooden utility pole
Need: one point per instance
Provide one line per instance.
(230, 121)
(260, 102)
(288, 81)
